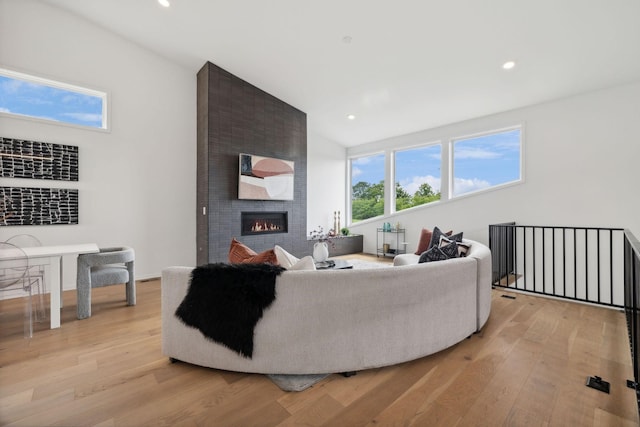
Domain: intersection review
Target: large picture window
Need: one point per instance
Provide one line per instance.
(471, 164)
(417, 176)
(29, 96)
(486, 161)
(367, 187)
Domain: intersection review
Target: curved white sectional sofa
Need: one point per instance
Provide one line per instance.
(329, 321)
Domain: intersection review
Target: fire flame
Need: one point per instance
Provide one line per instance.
(264, 225)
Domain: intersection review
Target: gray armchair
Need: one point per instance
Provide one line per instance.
(108, 267)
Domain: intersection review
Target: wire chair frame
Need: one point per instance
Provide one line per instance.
(36, 272)
(14, 270)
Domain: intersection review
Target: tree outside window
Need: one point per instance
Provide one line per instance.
(417, 176)
(367, 187)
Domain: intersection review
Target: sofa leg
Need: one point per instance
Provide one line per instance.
(348, 374)
(172, 360)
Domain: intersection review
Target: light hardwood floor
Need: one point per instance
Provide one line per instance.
(528, 366)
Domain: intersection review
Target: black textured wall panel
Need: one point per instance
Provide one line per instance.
(236, 117)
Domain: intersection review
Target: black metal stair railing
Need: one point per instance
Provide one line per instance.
(632, 303)
(587, 264)
(576, 263)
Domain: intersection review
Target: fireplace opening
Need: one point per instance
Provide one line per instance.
(263, 223)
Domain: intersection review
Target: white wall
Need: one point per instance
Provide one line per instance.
(581, 166)
(137, 182)
(326, 174)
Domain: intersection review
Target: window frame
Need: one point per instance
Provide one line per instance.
(42, 81)
(447, 172)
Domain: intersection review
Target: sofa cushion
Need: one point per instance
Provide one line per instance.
(305, 263)
(425, 239)
(285, 259)
(240, 253)
(291, 262)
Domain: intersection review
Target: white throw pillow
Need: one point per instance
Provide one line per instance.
(285, 259)
(306, 263)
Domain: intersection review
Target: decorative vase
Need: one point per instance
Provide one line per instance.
(320, 251)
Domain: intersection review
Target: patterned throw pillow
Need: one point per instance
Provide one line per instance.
(240, 253)
(437, 234)
(463, 249)
(449, 249)
(433, 254)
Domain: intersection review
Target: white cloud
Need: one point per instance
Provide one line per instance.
(12, 86)
(36, 101)
(361, 160)
(462, 186)
(85, 117)
(355, 172)
(4, 110)
(412, 184)
(476, 153)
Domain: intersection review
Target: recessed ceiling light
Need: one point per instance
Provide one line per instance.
(164, 3)
(347, 39)
(508, 65)
(351, 117)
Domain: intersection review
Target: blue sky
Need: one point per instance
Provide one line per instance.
(486, 161)
(368, 169)
(479, 162)
(36, 100)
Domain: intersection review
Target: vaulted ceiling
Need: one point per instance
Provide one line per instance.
(399, 66)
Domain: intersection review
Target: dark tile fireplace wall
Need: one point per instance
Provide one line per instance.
(236, 117)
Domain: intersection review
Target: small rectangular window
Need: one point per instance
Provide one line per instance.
(486, 161)
(367, 187)
(417, 176)
(23, 95)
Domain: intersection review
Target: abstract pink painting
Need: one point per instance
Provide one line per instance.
(265, 178)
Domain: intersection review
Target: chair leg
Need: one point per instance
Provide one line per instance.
(28, 312)
(84, 301)
(131, 292)
(41, 312)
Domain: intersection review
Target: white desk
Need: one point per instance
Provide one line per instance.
(51, 257)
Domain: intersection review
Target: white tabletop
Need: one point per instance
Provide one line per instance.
(47, 251)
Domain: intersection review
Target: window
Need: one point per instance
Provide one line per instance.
(417, 176)
(486, 161)
(367, 187)
(28, 96)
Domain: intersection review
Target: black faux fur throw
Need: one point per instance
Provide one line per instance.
(225, 302)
